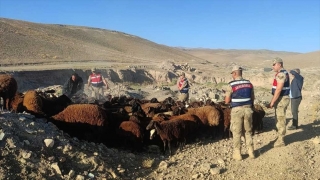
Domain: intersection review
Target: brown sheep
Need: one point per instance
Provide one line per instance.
(208, 115)
(8, 89)
(257, 116)
(226, 122)
(196, 104)
(32, 103)
(210, 118)
(131, 133)
(82, 113)
(168, 131)
(192, 123)
(161, 117)
(87, 121)
(17, 103)
(150, 107)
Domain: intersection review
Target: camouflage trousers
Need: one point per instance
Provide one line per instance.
(184, 97)
(280, 107)
(97, 93)
(241, 119)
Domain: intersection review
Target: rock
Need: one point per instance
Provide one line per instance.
(11, 143)
(67, 148)
(196, 176)
(56, 168)
(113, 174)
(163, 165)
(221, 162)
(1, 135)
(71, 173)
(51, 158)
(49, 142)
(62, 159)
(80, 177)
(90, 175)
(26, 155)
(316, 140)
(22, 118)
(26, 142)
(205, 167)
(121, 170)
(214, 171)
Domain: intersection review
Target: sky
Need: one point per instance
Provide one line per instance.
(279, 25)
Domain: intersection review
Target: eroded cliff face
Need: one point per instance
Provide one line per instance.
(35, 79)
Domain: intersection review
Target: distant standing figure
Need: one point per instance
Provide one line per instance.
(183, 86)
(73, 86)
(295, 97)
(280, 100)
(96, 80)
(241, 95)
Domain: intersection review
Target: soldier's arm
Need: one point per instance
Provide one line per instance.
(280, 83)
(227, 98)
(89, 81)
(104, 81)
(252, 95)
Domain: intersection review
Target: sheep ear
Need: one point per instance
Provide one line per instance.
(154, 123)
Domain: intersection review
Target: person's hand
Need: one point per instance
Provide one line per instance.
(270, 105)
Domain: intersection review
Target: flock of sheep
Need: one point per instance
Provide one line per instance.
(124, 121)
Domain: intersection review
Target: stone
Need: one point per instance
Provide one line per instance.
(26, 142)
(214, 171)
(205, 167)
(1, 135)
(80, 177)
(49, 142)
(163, 165)
(26, 155)
(71, 173)
(196, 176)
(56, 168)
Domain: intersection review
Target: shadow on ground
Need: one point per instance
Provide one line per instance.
(305, 132)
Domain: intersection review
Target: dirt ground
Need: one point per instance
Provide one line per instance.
(24, 153)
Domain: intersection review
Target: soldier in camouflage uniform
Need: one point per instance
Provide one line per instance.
(241, 95)
(280, 99)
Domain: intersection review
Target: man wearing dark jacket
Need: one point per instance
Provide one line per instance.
(295, 97)
(73, 86)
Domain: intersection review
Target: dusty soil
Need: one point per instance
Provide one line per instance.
(25, 155)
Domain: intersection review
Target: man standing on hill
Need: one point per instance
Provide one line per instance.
(241, 95)
(183, 86)
(295, 97)
(280, 99)
(97, 81)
